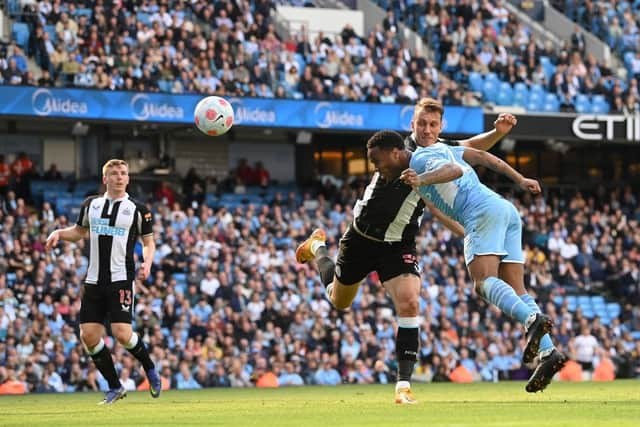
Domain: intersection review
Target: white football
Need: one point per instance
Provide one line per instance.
(213, 116)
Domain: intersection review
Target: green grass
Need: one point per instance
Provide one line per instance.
(479, 405)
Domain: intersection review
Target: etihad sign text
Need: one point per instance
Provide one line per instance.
(44, 103)
(599, 127)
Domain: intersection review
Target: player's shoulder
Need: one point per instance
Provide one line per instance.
(138, 204)
(449, 142)
(89, 199)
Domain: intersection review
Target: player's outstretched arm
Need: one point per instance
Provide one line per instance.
(496, 164)
(444, 173)
(69, 234)
(455, 227)
(484, 141)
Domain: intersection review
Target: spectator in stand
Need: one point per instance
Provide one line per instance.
(585, 346)
(21, 170)
(5, 178)
(244, 172)
(52, 174)
(261, 176)
(165, 193)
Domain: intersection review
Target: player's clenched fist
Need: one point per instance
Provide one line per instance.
(410, 177)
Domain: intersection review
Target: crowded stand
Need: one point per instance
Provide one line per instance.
(227, 305)
(481, 53)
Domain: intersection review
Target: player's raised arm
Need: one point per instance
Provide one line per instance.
(444, 173)
(496, 164)
(484, 141)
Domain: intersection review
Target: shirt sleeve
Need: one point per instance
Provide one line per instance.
(426, 160)
(145, 221)
(83, 216)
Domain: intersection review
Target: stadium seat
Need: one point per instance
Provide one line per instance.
(505, 94)
(635, 335)
(582, 104)
(20, 33)
(599, 104)
(84, 12)
(597, 300)
(490, 90)
(535, 101)
(520, 94)
(476, 81)
(548, 67)
(491, 76)
(614, 309)
(551, 103)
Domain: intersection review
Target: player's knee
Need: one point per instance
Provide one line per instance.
(89, 339)
(408, 307)
(122, 335)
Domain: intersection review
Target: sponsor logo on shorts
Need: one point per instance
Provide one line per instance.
(409, 258)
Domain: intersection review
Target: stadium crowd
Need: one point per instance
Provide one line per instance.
(232, 48)
(228, 306)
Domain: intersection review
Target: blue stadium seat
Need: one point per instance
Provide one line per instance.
(582, 104)
(551, 103)
(145, 18)
(597, 300)
(505, 94)
(20, 33)
(11, 278)
(211, 200)
(51, 30)
(558, 300)
(13, 7)
(84, 12)
(548, 67)
(490, 90)
(599, 104)
(614, 309)
(491, 76)
(520, 94)
(476, 81)
(635, 335)
(535, 101)
(164, 86)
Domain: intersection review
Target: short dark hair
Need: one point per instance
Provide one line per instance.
(386, 140)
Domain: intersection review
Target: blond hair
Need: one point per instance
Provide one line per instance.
(111, 163)
(428, 104)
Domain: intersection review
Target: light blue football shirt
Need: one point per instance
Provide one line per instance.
(456, 198)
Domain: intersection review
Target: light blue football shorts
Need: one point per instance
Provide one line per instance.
(495, 228)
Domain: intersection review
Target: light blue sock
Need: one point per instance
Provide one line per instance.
(546, 345)
(500, 294)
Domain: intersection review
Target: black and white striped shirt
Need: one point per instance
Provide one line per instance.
(390, 211)
(114, 227)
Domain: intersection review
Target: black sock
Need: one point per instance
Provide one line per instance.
(326, 267)
(104, 363)
(407, 342)
(140, 352)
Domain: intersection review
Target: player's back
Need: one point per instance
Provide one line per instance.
(458, 198)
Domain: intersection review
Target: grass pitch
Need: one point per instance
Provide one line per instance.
(479, 405)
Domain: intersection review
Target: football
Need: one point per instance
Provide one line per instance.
(213, 116)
